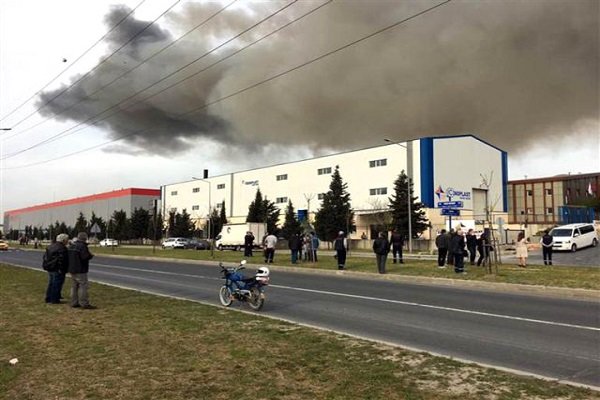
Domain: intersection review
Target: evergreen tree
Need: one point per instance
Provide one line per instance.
(159, 227)
(291, 224)
(256, 213)
(271, 213)
(215, 224)
(398, 204)
(120, 222)
(171, 225)
(183, 225)
(95, 220)
(336, 213)
(139, 223)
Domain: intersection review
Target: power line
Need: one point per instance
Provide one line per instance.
(74, 62)
(97, 66)
(63, 134)
(260, 82)
(172, 43)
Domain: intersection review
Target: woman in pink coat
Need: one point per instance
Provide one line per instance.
(521, 248)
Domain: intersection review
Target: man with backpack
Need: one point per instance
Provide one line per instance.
(56, 262)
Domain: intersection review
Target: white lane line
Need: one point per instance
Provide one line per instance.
(406, 303)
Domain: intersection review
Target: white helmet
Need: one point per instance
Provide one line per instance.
(262, 271)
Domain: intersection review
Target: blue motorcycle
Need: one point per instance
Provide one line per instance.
(245, 289)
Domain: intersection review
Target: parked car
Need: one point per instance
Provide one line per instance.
(108, 243)
(175, 243)
(3, 245)
(200, 244)
(574, 236)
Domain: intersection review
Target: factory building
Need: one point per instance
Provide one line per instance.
(462, 169)
(67, 211)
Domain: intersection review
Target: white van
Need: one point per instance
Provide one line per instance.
(574, 236)
(232, 235)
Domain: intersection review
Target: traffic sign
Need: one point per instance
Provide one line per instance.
(95, 228)
(450, 204)
(451, 212)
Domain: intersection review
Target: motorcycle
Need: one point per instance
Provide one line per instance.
(247, 289)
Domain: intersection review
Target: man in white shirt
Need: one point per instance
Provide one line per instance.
(270, 242)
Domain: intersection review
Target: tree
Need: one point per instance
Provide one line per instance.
(271, 216)
(291, 224)
(398, 204)
(139, 223)
(120, 228)
(215, 224)
(263, 210)
(95, 220)
(159, 227)
(336, 213)
(81, 224)
(180, 225)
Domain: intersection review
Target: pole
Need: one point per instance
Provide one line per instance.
(409, 208)
(154, 225)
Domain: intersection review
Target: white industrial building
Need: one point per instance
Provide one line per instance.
(458, 168)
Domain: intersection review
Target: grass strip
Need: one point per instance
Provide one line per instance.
(139, 346)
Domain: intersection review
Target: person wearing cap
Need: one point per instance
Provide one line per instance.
(79, 264)
(341, 246)
(56, 262)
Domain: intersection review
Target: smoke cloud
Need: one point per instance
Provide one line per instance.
(514, 73)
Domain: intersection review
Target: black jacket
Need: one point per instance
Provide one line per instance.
(471, 241)
(381, 246)
(294, 242)
(397, 240)
(248, 240)
(458, 245)
(441, 241)
(79, 258)
(57, 256)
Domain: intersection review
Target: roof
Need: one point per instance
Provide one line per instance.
(86, 199)
(555, 178)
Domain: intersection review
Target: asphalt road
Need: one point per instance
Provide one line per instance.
(555, 338)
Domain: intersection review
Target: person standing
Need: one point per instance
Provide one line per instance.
(458, 251)
(248, 244)
(547, 242)
(340, 246)
(521, 248)
(294, 246)
(56, 262)
(270, 242)
(79, 265)
(483, 247)
(381, 247)
(314, 246)
(450, 235)
(397, 244)
(471, 245)
(441, 243)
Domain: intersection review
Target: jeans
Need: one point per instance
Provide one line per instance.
(55, 283)
(381, 259)
(472, 251)
(442, 253)
(341, 258)
(247, 251)
(269, 254)
(459, 263)
(294, 256)
(79, 290)
(547, 252)
(397, 251)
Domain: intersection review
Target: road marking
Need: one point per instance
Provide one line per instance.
(355, 296)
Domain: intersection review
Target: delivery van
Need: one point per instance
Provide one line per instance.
(574, 236)
(232, 235)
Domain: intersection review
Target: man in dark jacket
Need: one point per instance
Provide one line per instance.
(458, 250)
(248, 244)
(397, 244)
(79, 264)
(381, 247)
(340, 245)
(471, 245)
(547, 242)
(450, 236)
(441, 243)
(56, 262)
(294, 245)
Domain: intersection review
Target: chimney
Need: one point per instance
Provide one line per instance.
(205, 174)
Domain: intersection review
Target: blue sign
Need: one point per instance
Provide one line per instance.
(451, 212)
(450, 204)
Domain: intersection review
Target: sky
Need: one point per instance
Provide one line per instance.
(103, 95)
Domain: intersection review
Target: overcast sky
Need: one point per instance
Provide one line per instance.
(522, 75)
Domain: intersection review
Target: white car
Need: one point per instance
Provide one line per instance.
(574, 236)
(108, 243)
(175, 243)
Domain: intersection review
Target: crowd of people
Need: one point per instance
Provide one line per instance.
(71, 256)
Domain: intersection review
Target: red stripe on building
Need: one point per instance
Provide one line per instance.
(86, 199)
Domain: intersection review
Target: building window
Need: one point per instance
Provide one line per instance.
(195, 190)
(378, 163)
(377, 191)
(174, 193)
(529, 193)
(280, 200)
(549, 210)
(321, 196)
(195, 208)
(529, 211)
(282, 177)
(324, 171)
(221, 186)
(548, 192)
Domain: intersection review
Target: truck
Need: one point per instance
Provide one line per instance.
(232, 235)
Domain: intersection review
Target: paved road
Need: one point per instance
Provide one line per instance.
(555, 338)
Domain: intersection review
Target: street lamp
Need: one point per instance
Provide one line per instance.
(212, 245)
(407, 196)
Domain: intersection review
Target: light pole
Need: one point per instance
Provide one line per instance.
(212, 244)
(408, 202)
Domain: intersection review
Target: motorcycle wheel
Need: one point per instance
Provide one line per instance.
(225, 296)
(256, 300)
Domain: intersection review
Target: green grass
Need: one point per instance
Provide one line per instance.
(138, 346)
(557, 276)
